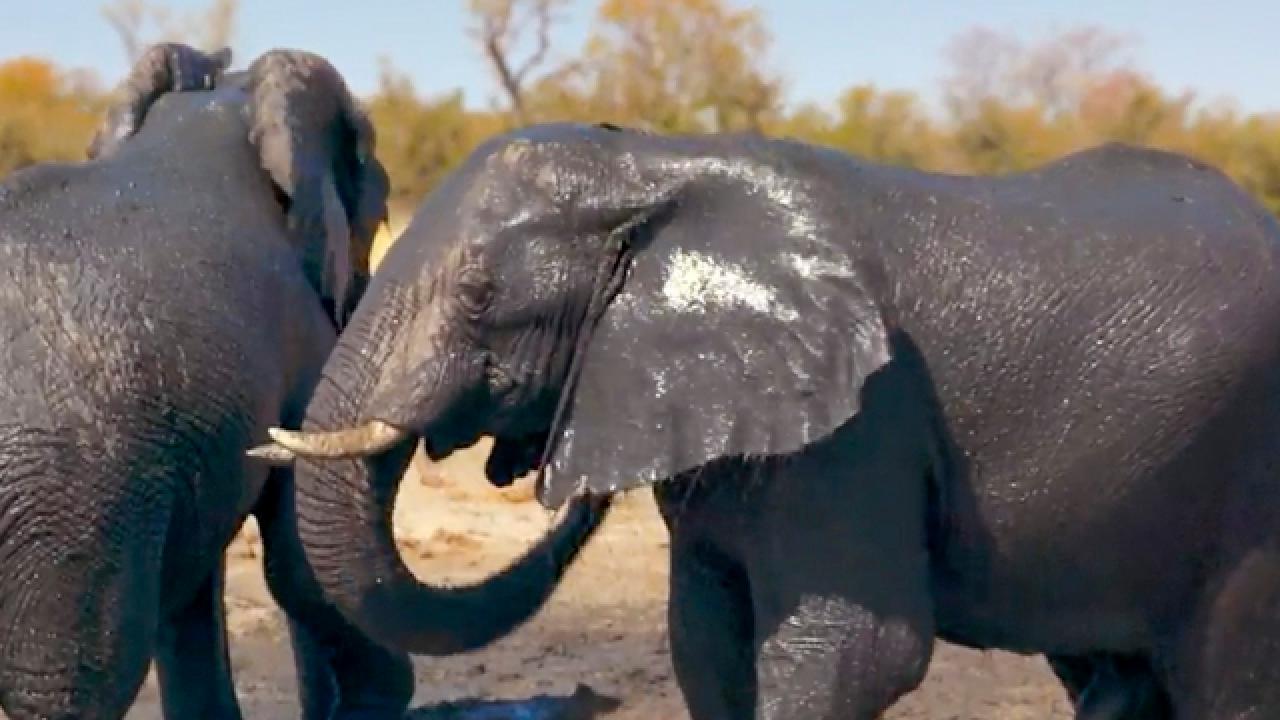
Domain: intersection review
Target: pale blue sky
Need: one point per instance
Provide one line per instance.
(1228, 48)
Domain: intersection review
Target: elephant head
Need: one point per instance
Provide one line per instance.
(304, 131)
(162, 68)
(614, 308)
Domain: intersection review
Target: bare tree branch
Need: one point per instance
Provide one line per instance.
(127, 18)
(1053, 71)
(138, 23)
(495, 29)
(542, 12)
(216, 26)
(500, 25)
(980, 59)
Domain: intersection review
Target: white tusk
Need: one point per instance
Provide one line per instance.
(274, 453)
(372, 438)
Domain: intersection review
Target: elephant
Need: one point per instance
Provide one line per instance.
(877, 406)
(165, 302)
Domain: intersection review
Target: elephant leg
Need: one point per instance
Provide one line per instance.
(840, 582)
(1226, 664)
(1074, 672)
(342, 674)
(192, 662)
(81, 632)
(710, 626)
(317, 686)
(1112, 687)
(829, 657)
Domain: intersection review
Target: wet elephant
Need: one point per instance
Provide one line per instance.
(878, 407)
(165, 303)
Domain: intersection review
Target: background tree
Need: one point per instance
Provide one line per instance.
(139, 23)
(419, 140)
(978, 62)
(1009, 101)
(1053, 72)
(502, 25)
(45, 113)
(128, 18)
(692, 66)
(1128, 107)
(889, 127)
(1014, 103)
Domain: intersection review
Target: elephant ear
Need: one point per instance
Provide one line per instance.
(318, 147)
(162, 68)
(735, 334)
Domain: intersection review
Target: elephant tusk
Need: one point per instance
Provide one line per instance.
(273, 453)
(372, 438)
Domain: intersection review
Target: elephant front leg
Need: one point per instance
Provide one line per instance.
(342, 674)
(192, 662)
(710, 626)
(830, 657)
(840, 584)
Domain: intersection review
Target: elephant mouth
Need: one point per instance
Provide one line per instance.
(510, 458)
(513, 457)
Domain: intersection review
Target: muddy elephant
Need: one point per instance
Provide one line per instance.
(163, 304)
(878, 407)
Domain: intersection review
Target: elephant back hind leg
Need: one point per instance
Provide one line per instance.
(80, 622)
(342, 674)
(80, 555)
(1222, 661)
(192, 660)
(1225, 665)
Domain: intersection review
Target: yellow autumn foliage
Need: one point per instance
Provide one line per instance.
(703, 66)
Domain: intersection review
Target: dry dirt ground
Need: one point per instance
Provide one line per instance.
(604, 627)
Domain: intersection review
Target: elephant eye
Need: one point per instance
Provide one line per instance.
(474, 291)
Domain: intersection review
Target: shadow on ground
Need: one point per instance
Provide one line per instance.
(583, 704)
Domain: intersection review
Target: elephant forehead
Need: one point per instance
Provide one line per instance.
(196, 111)
(696, 282)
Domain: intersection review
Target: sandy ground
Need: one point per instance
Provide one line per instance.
(604, 627)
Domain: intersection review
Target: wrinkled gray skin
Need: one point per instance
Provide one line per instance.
(1036, 412)
(163, 305)
(161, 309)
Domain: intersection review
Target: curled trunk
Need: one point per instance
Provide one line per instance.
(344, 519)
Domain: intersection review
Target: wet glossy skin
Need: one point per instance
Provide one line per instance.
(157, 317)
(880, 406)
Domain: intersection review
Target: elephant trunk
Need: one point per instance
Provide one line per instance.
(345, 508)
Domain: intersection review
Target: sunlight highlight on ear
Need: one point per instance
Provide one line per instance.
(696, 282)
